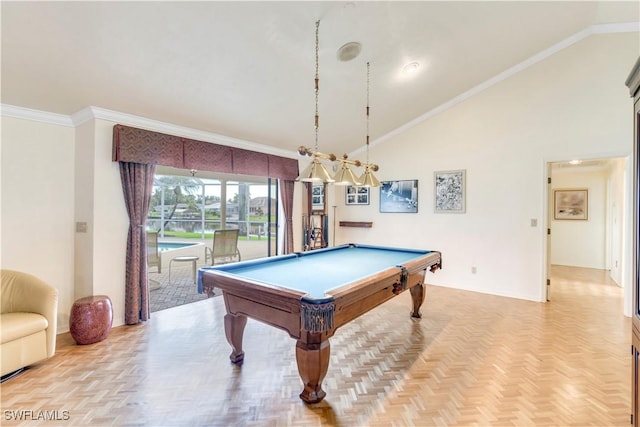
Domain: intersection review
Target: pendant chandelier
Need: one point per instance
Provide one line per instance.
(316, 172)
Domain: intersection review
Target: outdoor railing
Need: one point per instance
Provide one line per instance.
(199, 229)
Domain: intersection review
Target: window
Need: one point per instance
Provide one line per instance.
(187, 208)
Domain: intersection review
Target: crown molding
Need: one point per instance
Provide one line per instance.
(625, 27)
(83, 116)
(96, 113)
(629, 27)
(35, 115)
(185, 132)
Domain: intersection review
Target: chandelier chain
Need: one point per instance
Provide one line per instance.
(316, 171)
(367, 113)
(317, 79)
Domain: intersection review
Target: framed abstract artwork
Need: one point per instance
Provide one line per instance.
(449, 191)
(356, 195)
(399, 196)
(571, 204)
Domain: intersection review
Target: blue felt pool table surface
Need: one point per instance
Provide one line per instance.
(320, 271)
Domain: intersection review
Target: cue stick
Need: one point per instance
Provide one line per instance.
(334, 225)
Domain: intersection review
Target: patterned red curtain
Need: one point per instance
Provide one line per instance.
(143, 146)
(147, 147)
(139, 150)
(203, 156)
(286, 194)
(137, 185)
(246, 162)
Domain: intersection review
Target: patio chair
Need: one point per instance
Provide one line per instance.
(224, 248)
(153, 252)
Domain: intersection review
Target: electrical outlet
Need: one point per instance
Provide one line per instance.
(81, 227)
(474, 270)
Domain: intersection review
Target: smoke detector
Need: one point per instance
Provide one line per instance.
(349, 51)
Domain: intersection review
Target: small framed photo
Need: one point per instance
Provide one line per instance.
(449, 191)
(399, 196)
(356, 195)
(317, 198)
(571, 204)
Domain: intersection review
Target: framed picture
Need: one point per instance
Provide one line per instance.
(449, 191)
(317, 198)
(356, 195)
(399, 196)
(571, 204)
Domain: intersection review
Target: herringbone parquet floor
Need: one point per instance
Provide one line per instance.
(472, 360)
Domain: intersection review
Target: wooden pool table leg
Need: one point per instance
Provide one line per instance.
(234, 329)
(313, 361)
(417, 295)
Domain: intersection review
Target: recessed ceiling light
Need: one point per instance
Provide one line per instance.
(411, 68)
(349, 51)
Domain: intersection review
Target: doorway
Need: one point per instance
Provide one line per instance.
(587, 215)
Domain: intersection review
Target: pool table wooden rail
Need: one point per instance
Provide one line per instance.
(356, 299)
(278, 307)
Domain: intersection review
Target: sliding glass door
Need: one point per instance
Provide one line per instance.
(186, 207)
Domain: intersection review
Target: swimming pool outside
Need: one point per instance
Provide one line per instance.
(173, 247)
(166, 246)
(169, 250)
(181, 290)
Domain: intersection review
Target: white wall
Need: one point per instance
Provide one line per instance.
(618, 205)
(84, 209)
(101, 251)
(581, 243)
(572, 104)
(111, 223)
(38, 205)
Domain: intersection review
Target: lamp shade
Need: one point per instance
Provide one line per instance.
(345, 176)
(368, 179)
(315, 172)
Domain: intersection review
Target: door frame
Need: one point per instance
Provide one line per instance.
(627, 227)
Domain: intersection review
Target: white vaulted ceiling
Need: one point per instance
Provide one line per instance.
(246, 69)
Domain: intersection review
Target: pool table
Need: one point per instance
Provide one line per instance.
(311, 294)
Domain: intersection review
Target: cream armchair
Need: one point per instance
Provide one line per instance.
(28, 320)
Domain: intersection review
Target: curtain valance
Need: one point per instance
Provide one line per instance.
(143, 146)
